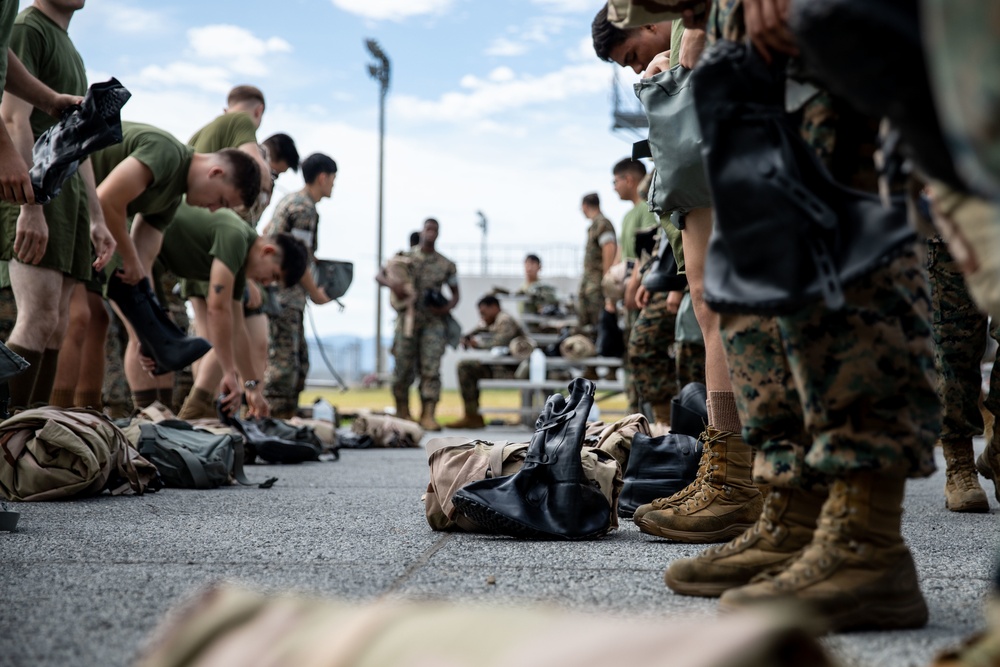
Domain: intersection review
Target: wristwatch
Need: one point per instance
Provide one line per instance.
(251, 384)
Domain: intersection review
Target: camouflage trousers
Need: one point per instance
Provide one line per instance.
(631, 391)
(287, 361)
(419, 354)
(117, 394)
(470, 372)
(177, 307)
(823, 392)
(651, 353)
(690, 363)
(960, 343)
(590, 303)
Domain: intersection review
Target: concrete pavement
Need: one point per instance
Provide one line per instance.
(84, 582)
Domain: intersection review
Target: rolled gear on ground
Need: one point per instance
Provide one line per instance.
(56, 454)
(273, 441)
(521, 347)
(387, 431)
(550, 497)
(577, 347)
(786, 234)
(95, 124)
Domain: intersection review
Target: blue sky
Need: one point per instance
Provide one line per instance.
(493, 106)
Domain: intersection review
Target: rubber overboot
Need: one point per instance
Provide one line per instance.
(962, 492)
(785, 526)
(159, 337)
(427, 421)
(679, 497)
(11, 365)
(725, 504)
(549, 497)
(856, 573)
(988, 463)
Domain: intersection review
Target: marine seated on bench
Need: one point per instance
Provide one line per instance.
(496, 328)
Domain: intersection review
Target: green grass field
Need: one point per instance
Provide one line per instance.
(449, 409)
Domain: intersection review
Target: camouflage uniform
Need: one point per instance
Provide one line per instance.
(650, 348)
(590, 301)
(421, 353)
(538, 295)
(117, 395)
(287, 352)
(503, 330)
(960, 337)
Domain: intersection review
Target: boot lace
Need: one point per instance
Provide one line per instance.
(705, 467)
(960, 469)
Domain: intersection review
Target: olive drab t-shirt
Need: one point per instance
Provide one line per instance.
(8, 12)
(47, 52)
(230, 130)
(166, 157)
(199, 236)
(637, 219)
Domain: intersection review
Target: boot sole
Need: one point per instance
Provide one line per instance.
(885, 616)
(689, 537)
(699, 589)
(493, 522)
(974, 507)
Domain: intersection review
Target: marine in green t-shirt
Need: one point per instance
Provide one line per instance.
(628, 174)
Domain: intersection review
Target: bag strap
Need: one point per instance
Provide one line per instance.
(238, 467)
(496, 459)
(192, 462)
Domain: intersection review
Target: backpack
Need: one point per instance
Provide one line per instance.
(192, 459)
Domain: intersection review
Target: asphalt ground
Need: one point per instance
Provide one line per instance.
(85, 582)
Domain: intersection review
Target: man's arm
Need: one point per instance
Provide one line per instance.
(32, 233)
(22, 83)
(220, 308)
(316, 293)
(245, 364)
(100, 236)
(609, 251)
(125, 182)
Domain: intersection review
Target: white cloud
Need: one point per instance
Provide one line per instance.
(236, 48)
(570, 5)
(520, 39)
(394, 10)
(502, 75)
(503, 47)
(207, 78)
(488, 98)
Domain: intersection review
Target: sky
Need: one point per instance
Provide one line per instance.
(499, 107)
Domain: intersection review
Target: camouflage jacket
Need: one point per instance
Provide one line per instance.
(503, 330)
(296, 215)
(430, 271)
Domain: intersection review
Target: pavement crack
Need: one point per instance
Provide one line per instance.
(422, 560)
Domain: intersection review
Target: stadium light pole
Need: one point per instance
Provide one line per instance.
(379, 70)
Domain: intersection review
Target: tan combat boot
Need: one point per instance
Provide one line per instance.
(857, 573)
(427, 417)
(678, 497)
(472, 418)
(988, 463)
(403, 408)
(785, 526)
(725, 504)
(962, 492)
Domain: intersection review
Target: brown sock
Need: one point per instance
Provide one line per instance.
(143, 398)
(165, 395)
(22, 385)
(62, 398)
(197, 405)
(722, 413)
(89, 399)
(46, 377)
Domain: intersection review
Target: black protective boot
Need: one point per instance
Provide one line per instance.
(159, 337)
(11, 365)
(549, 497)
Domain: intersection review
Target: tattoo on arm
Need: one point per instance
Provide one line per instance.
(218, 288)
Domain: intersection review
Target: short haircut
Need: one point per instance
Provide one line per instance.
(317, 164)
(630, 166)
(489, 300)
(294, 257)
(433, 222)
(281, 148)
(606, 36)
(244, 93)
(414, 238)
(245, 176)
(533, 258)
(592, 200)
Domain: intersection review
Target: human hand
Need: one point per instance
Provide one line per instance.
(148, 364)
(659, 63)
(230, 393)
(104, 244)
(641, 297)
(31, 237)
(15, 185)
(131, 271)
(60, 102)
(257, 405)
(692, 44)
(320, 297)
(674, 302)
(767, 27)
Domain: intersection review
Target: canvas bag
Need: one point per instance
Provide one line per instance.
(387, 431)
(456, 461)
(54, 454)
(679, 183)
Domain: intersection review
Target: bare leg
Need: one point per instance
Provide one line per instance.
(94, 356)
(68, 371)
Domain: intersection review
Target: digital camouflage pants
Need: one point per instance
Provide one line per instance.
(470, 372)
(419, 354)
(824, 392)
(651, 352)
(287, 361)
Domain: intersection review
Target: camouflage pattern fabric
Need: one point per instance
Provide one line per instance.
(296, 215)
(690, 363)
(590, 300)
(538, 295)
(419, 354)
(117, 395)
(865, 374)
(631, 391)
(287, 361)
(654, 370)
(176, 306)
(960, 342)
(503, 330)
(470, 372)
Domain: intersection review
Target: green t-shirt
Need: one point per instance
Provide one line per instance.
(8, 12)
(166, 157)
(48, 53)
(637, 219)
(198, 236)
(230, 130)
(676, 32)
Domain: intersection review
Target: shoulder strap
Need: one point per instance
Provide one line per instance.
(238, 467)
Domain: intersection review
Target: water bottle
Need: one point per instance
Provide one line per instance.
(323, 409)
(536, 367)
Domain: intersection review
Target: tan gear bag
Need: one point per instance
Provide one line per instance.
(388, 431)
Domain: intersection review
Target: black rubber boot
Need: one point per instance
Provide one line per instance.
(159, 337)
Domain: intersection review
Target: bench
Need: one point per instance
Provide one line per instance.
(534, 395)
